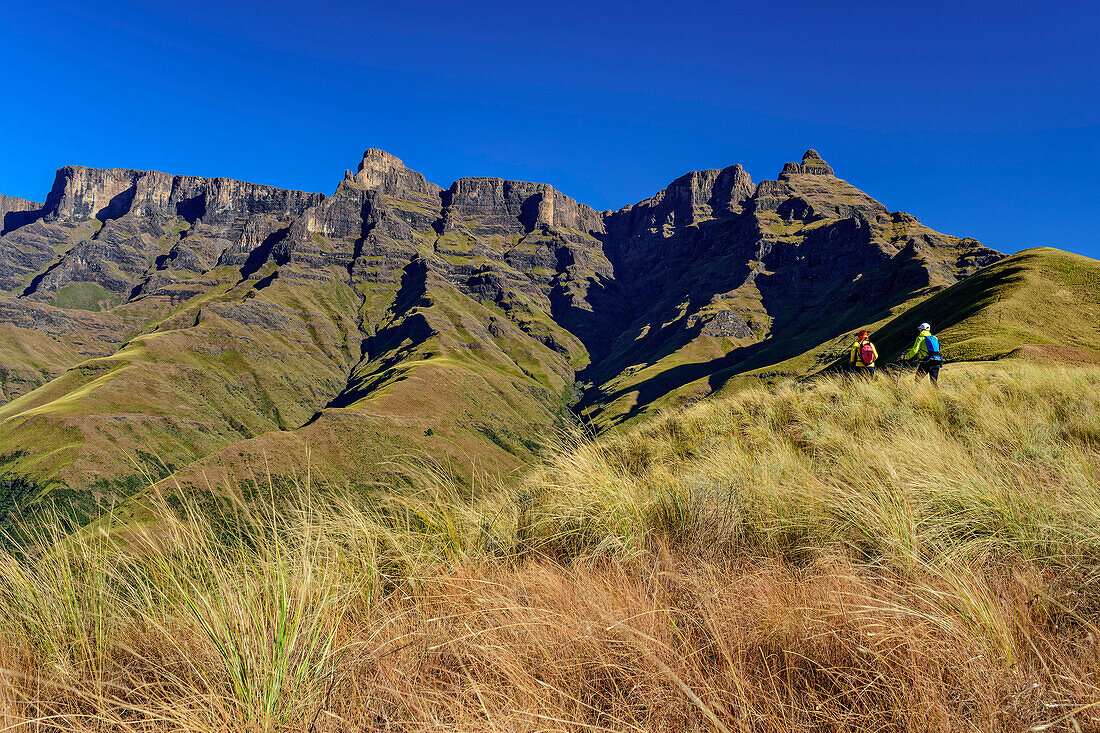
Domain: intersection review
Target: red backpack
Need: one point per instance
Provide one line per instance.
(867, 353)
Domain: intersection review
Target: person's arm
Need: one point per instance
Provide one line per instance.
(874, 352)
(852, 354)
(916, 348)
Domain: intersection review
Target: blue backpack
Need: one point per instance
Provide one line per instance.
(933, 345)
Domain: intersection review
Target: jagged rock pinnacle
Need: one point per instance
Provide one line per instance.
(381, 171)
(812, 164)
(376, 166)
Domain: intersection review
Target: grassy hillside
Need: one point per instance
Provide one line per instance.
(1038, 302)
(364, 327)
(237, 361)
(265, 372)
(438, 385)
(39, 342)
(841, 555)
(1041, 304)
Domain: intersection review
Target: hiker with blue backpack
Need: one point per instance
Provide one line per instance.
(862, 355)
(926, 352)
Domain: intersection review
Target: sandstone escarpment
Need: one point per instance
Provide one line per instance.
(81, 193)
(687, 202)
(119, 233)
(497, 206)
(16, 212)
(691, 198)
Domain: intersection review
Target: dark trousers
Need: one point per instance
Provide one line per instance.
(931, 368)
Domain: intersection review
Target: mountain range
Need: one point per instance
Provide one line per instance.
(156, 325)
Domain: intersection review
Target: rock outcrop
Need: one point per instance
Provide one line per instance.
(688, 201)
(387, 174)
(117, 230)
(811, 165)
(81, 193)
(497, 206)
(16, 212)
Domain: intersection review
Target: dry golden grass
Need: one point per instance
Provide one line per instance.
(831, 556)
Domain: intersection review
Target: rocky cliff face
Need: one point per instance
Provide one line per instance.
(114, 231)
(16, 212)
(512, 207)
(212, 321)
(81, 193)
(385, 173)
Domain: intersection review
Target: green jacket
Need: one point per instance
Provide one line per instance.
(920, 348)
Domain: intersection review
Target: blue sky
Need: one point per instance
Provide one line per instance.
(980, 118)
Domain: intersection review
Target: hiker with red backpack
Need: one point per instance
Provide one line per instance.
(926, 352)
(862, 355)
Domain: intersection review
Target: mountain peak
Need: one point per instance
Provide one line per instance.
(382, 171)
(375, 159)
(376, 167)
(812, 164)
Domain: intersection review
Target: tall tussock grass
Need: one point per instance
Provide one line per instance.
(840, 554)
(1001, 460)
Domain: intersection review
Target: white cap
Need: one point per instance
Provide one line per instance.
(924, 327)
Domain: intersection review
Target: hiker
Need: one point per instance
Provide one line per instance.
(862, 355)
(926, 352)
